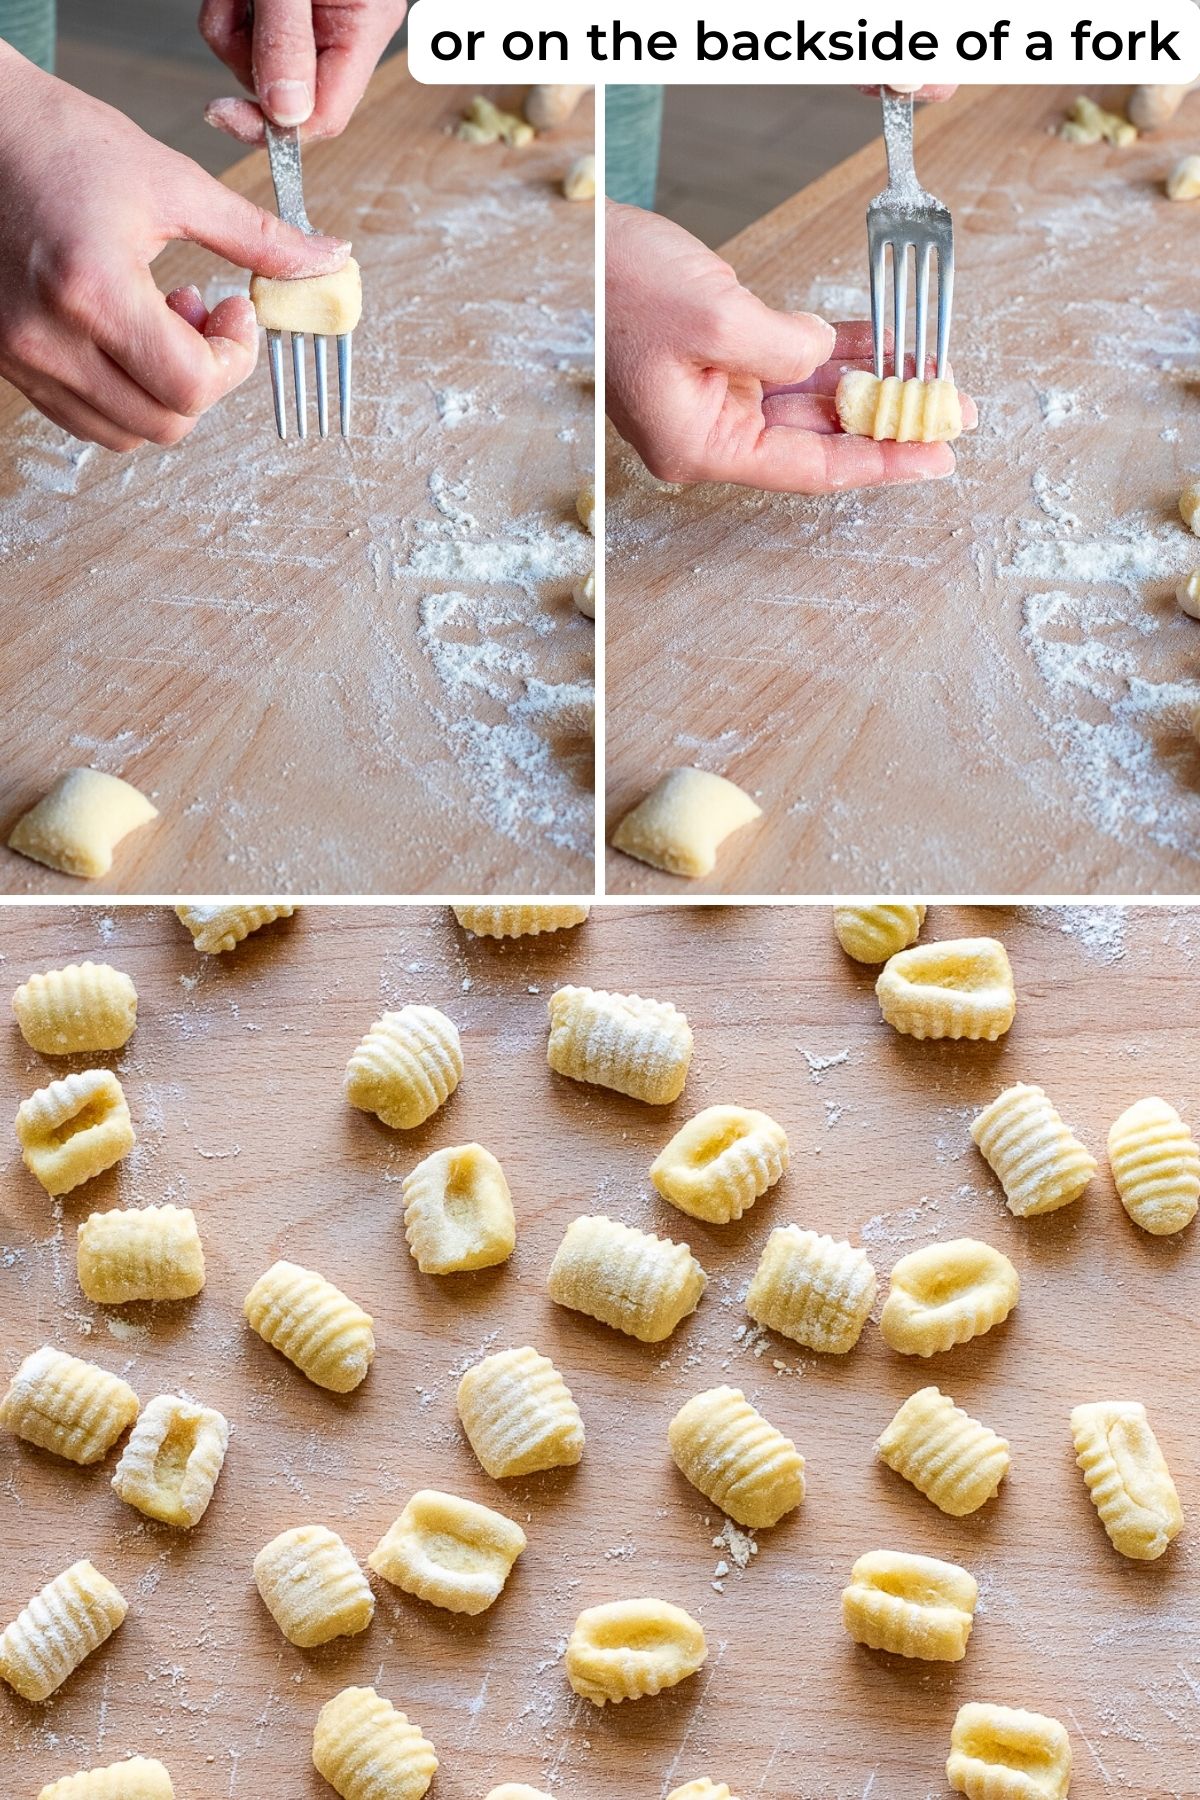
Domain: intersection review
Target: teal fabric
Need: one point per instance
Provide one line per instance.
(28, 25)
(632, 137)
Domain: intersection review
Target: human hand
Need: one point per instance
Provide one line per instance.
(934, 91)
(306, 61)
(709, 384)
(87, 201)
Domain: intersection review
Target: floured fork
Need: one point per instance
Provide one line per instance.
(283, 149)
(906, 217)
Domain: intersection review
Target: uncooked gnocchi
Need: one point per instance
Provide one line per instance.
(870, 934)
(77, 826)
(813, 1289)
(74, 1129)
(518, 921)
(1040, 1163)
(683, 821)
(368, 1750)
(638, 1283)
(946, 1294)
(328, 305)
(452, 1553)
(631, 1648)
(946, 1454)
(218, 929)
(74, 1409)
(518, 1414)
(312, 1586)
(313, 1324)
(736, 1458)
(638, 1047)
(408, 1065)
(1006, 1753)
(59, 1629)
(719, 1163)
(902, 412)
(86, 1006)
(1127, 1477)
(960, 988)
(458, 1212)
(151, 1253)
(170, 1464)
(910, 1605)
(1156, 1166)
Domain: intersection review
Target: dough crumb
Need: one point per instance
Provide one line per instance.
(1087, 123)
(484, 123)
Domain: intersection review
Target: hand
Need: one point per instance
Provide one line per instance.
(709, 384)
(87, 201)
(934, 91)
(307, 61)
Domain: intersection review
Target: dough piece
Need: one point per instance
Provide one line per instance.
(73, 1129)
(368, 1750)
(216, 929)
(516, 1790)
(946, 1454)
(638, 1047)
(137, 1778)
(484, 123)
(1189, 510)
(717, 1165)
(312, 1586)
(584, 595)
(1127, 1477)
(518, 1414)
(1005, 1753)
(1156, 1166)
(409, 1064)
(631, 1648)
(1087, 123)
(946, 1294)
(910, 1605)
(1039, 1161)
(1183, 183)
(703, 1789)
(870, 934)
(955, 988)
(79, 824)
(329, 305)
(72, 1616)
(635, 1282)
(518, 921)
(140, 1253)
(450, 1552)
(86, 1006)
(169, 1466)
(73, 1409)
(814, 1289)
(736, 1458)
(579, 182)
(1187, 595)
(683, 821)
(903, 412)
(585, 504)
(313, 1324)
(458, 1211)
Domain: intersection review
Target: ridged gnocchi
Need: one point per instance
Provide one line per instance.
(960, 988)
(638, 1047)
(1127, 1477)
(629, 1279)
(1156, 1166)
(409, 1064)
(1038, 1161)
(151, 1253)
(813, 1289)
(74, 1129)
(218, 929)
(458, 1211)
(1006, 1753)
(903, 412)
(518, 921)
(870, 934)
(312, 1586)
(73, 1408)
(59, 1629)
(450, 1552)
(629, 1649)
(946, 1294)
(170, 1464)
(138, 1778)
(313, 1324)
(518, 1414)
(946, 1454)
(84, 1007)
(368, 1750)
(736, 1458)
(909, 1605)
(719, 1163)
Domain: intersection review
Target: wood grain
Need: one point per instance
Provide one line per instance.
(248, 630)
(979, 686)
(233, 1079)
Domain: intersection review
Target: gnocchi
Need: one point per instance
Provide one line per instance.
(1183, 183)
(579, 182)
(635, 1282)
(516, 1790)
(870, 934)
(170, 1464)
(736, 1458)
(452, 1553)
(74, 1129)
(518, 921)
(217, 929)
(1127, 1477)
(367, 1749)
(912, 1606)
(312, 1586)
(76, 827)
(903, 412)
(409, 1064)
(458, 1212)
(329, 305)
(629, 1649)
(946, 1294)
(75, 1409)
(138, 1778)
(149, 1254)
(585, 505)
(813, 1289)
(719, 1163)
(1156, 1166)
(59, 1629)
(84, 1007)
(518, 1414)
(313, 1324)
(638, 1047)
(959, 988)
(946, 1454)
(1006, 1753)
(684, 820)
(702, 1790)
(1189, 506)
(1039, 1162)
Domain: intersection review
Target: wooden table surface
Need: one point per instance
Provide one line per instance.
(233, 1080)
(981, 685)
(351, 666)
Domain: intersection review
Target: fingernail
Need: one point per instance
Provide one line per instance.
(905, 87)
(289, 102)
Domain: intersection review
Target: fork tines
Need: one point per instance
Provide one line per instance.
(905, 218)
(321, 365)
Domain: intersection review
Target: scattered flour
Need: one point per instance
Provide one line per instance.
(1099, 930)
(819, 1066)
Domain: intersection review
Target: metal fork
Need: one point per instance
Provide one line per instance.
(283, 149)
(906, 217)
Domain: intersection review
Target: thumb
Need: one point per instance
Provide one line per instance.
(775, 346)
(255, 239)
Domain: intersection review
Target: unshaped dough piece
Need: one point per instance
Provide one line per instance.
(585, 504)
(484, 123)
(903, 412)
(1183, 183)
(684, 820)
(1087, 123)
(1188, 595)
(579, 182)
(584, 595)
(80, 822)
(1189, 506)
(323, 304)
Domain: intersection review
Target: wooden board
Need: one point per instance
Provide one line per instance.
(979, 686)
(339, 667)
(233, 1080)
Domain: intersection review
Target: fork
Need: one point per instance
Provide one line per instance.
(905, 217)
(283, 150)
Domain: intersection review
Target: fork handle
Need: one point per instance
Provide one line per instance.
(283, 153)
(898, 140)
